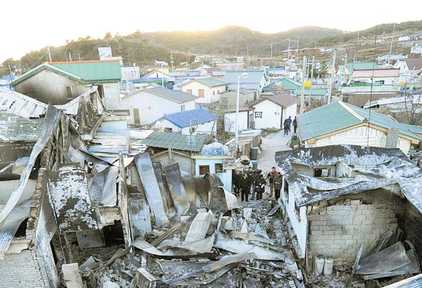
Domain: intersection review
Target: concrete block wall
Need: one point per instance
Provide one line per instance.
(337, 231)
(20, 271)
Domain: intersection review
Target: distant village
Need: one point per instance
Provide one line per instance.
(229, 174)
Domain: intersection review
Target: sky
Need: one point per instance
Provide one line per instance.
(29, 25)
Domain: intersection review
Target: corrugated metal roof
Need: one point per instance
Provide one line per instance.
(15, 128)
(171, 95)
(92, 71)
(323, 120)
(412, 282)
(191, 117)
(176, 141)
(21, 105)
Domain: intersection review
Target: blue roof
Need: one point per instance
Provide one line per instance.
(191, 117)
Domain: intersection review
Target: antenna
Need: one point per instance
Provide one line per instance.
(371, 91)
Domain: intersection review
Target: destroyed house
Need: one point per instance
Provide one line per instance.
(42, 143)
(57, 83)
(349, 205)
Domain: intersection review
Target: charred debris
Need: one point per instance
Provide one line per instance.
(74, 217)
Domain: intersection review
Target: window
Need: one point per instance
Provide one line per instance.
(167, 129)
(189, 91)
(69, 92)
(258, 114)
(204, 169)
(182, 107)
(218, 168)
(201, 93)
(321, 172)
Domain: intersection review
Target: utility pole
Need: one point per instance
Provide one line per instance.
(49, 55)
(271, 47)
(288, 50)
(312, 67)
(302, 95)
(332, 71)
(391, 43)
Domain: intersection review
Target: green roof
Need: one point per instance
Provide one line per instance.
(338, 115)
(176, 141)
(323, 120)
(102, 71)
(211, 81)
(288, 84)
(87, 72)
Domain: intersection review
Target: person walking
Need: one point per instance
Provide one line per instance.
(259, 184)
(295, 125)
(286, 127)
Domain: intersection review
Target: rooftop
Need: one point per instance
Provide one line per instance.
(210, 82)
(282, 99)
(83, 71)
(191, 117)
(171, 95)
(176, 141)
(338, 115)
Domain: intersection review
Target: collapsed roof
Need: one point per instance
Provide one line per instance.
(363, 169)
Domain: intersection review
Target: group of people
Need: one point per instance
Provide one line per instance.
(251, 181)
(287, 125)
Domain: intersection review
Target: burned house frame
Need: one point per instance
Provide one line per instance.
(348, 203)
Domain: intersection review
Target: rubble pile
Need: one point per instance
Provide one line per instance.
(232, 248)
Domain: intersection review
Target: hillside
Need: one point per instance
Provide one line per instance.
(144, 48)
(379, 30)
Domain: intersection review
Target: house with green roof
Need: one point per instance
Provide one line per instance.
(207, 90)
(339, 123)
(59, 82)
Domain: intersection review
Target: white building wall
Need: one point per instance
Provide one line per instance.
(151, 107)
(210, 94)
(225, 177)
(290, 111)
(299, 224)
(230, 120)
(359, 136)
(50, 87)
(271, 115)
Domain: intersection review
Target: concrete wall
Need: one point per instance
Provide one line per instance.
(359, 136)
(21, 271)
(49, 87)
(229, 121)
(271, 115)
(151, 107)
(338, 230)
(211, 94)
